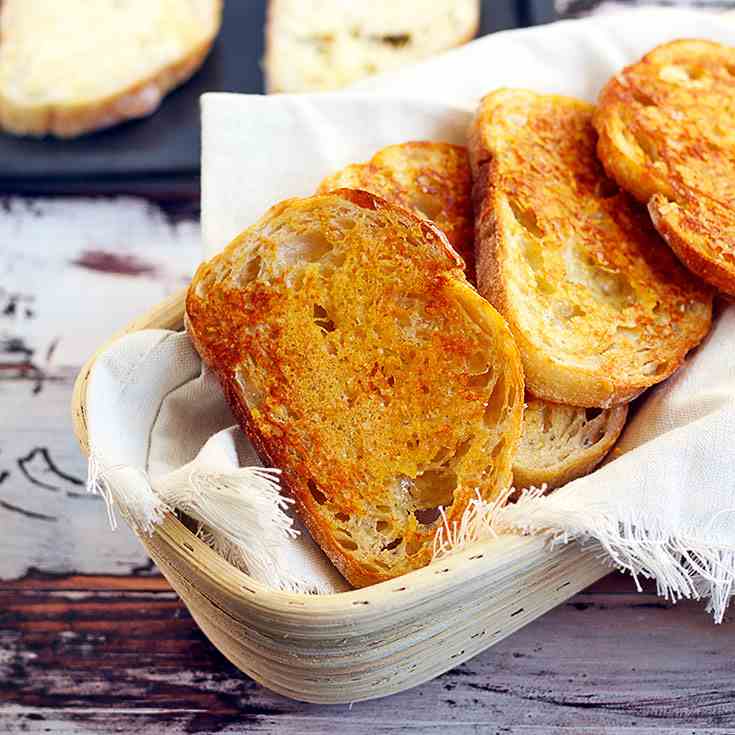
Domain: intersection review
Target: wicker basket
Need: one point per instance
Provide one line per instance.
(365, 643)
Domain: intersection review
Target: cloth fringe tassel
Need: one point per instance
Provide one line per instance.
(241, 512)
(681, 564)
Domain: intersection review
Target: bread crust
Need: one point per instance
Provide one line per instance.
(575, 268)
(138, 99)
(347, 566)
(315, 472)
(561, 443)
(663, 127)
(431, 179)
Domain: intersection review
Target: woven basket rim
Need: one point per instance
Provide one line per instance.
(459, 570)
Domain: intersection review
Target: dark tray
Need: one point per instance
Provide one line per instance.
(159, 155)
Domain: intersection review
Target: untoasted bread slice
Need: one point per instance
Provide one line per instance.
(561, 443)
(431, 179)
(598, 305)
(359, 360)
(666, 135)
(314, 45)
(72, 66)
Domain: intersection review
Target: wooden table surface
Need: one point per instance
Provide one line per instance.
(93, 640)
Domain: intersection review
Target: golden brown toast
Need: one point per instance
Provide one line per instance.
(561, 443)
(431, 179)
(558, 443)
(667, 135)
(599, 306)
(361, 362)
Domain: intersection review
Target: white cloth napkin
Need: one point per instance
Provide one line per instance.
(664, 507)
(162, 438)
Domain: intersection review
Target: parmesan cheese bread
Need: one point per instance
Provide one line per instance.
(667, 135)
(68, 67)
(361, 362)
(314, 45)
(561, 443)
(558, 443)
(429, 178)
(599, 306)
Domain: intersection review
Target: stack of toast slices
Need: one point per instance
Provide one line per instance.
(442, 323)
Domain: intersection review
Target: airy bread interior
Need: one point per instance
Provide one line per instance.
(361, 362)
(561, 443)
(71, 66)
(597, 303)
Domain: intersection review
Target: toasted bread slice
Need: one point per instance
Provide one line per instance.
(70, 67)
(431, 179)
(558, 443)
(666, 135)
(598, 305)
(561, 443)
(360, 361)
(326, 44)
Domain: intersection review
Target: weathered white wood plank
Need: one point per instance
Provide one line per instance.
(74, 271)
(112, 661)
(48, 522)
(175, 723)
(71, 273)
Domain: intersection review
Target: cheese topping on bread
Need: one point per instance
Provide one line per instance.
(431, 179)
(360, 361)
(598, 304)
(667, 135)
(558, 443)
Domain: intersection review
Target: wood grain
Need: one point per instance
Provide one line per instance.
(108, 660)
(66, 263)
(92, 640)
(48, 520)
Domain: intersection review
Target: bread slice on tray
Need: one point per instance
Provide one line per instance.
(598, 304)
(73, 66)
(561, 443)
(666, 135)
(432, 179)
(312, 46)
(360, 361)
